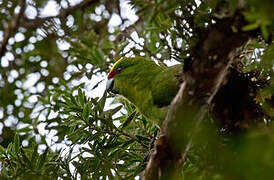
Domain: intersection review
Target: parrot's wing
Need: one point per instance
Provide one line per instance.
(166, 86)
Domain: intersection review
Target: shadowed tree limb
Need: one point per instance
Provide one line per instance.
(205, 72)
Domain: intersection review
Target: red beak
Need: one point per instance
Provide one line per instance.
(111, 74)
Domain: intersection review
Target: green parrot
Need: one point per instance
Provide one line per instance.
(148, 86)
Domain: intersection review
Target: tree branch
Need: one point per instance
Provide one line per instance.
(204, 74)
(22, 20)
(127, 32)
(37, 22)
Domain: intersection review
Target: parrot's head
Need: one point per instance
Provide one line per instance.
(117, 69)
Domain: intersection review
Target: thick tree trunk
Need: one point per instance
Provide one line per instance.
(205, 72)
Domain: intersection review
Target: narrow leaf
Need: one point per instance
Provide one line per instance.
(16, 144)
(250, 27)
(2, 150)
(25, 158)
(42, 159)
(129, 119)
(102, 101)
(34, 156)
(114, 110)
(264, 31)
(81, 98)
(86, 111)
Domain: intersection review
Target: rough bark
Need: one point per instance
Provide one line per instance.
(205, 72)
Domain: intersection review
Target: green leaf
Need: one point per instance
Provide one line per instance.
(34, 156)
(114, 110)
(43, 100)
(142, 138)
(76, 135)
(81, 97)
(86, 111)
(67, 100)
(102, 101)
(25, 129)
(98, 55)
(16, 144)
(250, 27)
(25, 158)
(127, 143)
(42, 159)
(264, 31)
(249, 16)
(128, 106)
(268, 57)
(2, 150)
(129, 119)
(72, 98)
(95, 136)
(11, 150)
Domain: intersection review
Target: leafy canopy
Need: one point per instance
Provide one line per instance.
(55, 123)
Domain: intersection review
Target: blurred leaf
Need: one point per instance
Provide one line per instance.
(102, 101)
(34, 156)
(81, 98)
(86, 111)
(114, 110)
(43, 80)
(2, 150)
(42, 159)
(250, 27)
(264, 31)
(129, 119)
(16, 144)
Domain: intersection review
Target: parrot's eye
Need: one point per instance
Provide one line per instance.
(119, 70)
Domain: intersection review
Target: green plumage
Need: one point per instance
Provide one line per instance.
(148, 86)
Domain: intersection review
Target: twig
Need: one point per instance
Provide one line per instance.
(23, 21)
(39, 21)
(129, 30)
(119, 133)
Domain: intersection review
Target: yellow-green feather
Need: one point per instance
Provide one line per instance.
(148, 86)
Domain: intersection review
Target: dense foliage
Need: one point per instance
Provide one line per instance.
(57, 121)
